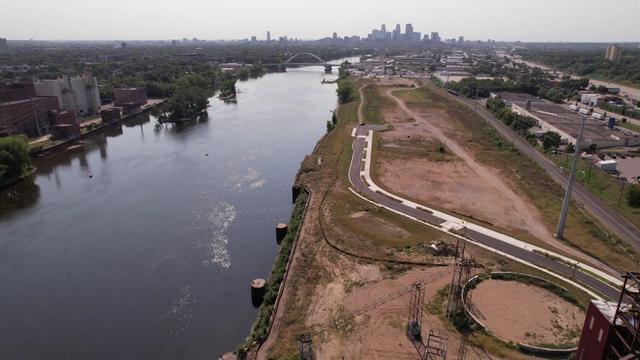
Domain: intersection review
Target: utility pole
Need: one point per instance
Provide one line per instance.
(572, 179)
(622, 184)
(475, 105)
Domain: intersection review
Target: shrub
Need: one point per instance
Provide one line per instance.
(633, 196)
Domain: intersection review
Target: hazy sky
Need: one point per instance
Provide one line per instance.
(527, 20)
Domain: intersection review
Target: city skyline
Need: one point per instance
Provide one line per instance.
(573, 20)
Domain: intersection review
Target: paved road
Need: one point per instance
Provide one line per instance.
(525, 255)
(611, 219)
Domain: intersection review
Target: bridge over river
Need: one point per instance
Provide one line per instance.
(290, 62)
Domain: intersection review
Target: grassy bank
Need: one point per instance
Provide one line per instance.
(260, 328)
(601, 184)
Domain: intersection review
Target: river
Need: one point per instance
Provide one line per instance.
(142, 245)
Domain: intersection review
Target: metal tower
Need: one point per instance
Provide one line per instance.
(306, 349)
(572, 180)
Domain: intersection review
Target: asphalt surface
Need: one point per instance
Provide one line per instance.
(609, 217)
(528, 256)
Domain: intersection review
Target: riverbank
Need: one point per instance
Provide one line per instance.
(59, 145)
(212, 191)
(25, 174)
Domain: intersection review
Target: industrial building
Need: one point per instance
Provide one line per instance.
(595, 100)
(130, 99)
(613, 53)
(22, 112)
(553, 117)
(79, 94)
(611, 329)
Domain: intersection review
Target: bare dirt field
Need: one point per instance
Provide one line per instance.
(455, 185)
(527, 314)
(425, 156)
(335, 271)
(380, 332)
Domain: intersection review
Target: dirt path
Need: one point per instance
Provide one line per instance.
(490, 177)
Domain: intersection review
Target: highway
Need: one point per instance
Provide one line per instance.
(610, 218)
(363, 185)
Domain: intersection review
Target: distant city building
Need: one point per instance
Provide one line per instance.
(408, 32)
(4, 46)
(123, 44)
(397, 33)
(435, 37)
(79, 94)
(460, 39)
(335, 35)
(254, 39)
(613, 53)
(268, 35)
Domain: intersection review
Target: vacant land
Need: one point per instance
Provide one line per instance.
(442, 154)
(351, 255)
(527, 314)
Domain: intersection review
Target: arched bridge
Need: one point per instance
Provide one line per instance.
(320, 62)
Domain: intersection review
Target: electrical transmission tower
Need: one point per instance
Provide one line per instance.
(306, 349)
(437, 345)
(463, 269)
(416, 302)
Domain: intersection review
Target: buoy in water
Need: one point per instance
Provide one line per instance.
(258, 287)
(281, 231)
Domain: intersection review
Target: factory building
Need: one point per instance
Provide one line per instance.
(553, 117)
(611, 329)
(130, 99)
(613, 53)
(79, 94)
(22, 112)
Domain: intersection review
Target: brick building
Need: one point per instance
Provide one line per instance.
(28, 116)
(64, 125)
(130, 99)
(611, 329)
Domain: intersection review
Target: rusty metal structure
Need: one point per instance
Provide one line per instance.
(625, 342)
(306, 347)
(463, 270)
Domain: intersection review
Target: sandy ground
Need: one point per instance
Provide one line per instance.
(525, 313)
(465, 185)
(380, 332)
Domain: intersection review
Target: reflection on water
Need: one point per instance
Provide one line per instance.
(141, 243)
(19, 196)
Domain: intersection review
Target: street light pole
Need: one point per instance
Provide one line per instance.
(572, 179)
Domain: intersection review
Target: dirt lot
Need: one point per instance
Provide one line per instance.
(526, 313)
(448, 176)
(333, 274)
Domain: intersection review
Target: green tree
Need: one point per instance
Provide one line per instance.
(550, 139)
(344, 91)
(14, 157)
(633, 196)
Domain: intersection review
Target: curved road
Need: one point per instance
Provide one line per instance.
(611, 219)
(360, 180)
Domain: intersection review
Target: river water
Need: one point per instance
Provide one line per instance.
(142, 245)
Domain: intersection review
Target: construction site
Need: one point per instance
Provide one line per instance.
(376, 275)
